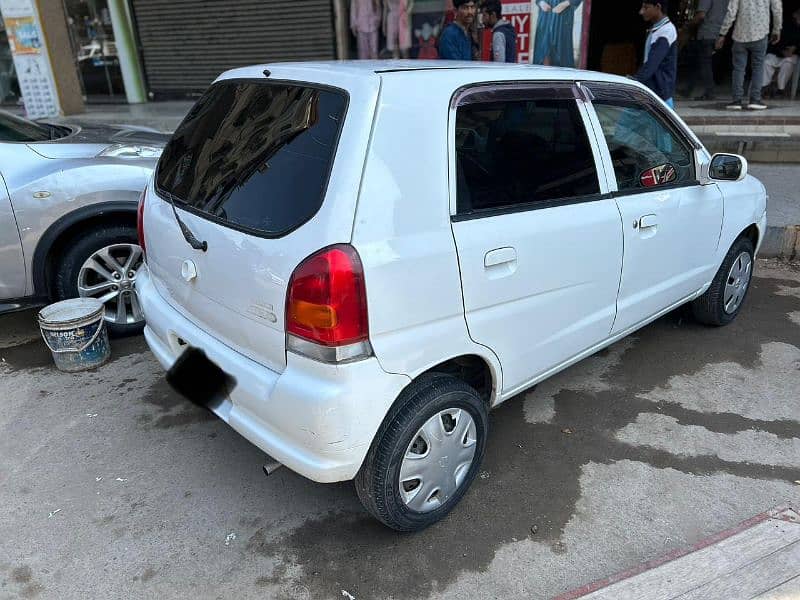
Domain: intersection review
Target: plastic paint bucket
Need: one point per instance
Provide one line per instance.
(75, 332)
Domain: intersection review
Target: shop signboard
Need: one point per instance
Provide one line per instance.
(31, 61)
(519, 15)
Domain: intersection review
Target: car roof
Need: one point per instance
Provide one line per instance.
(450, 72)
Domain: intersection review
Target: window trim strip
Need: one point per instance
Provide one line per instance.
(527, 207)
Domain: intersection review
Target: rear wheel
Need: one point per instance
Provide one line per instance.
(426, 454)
(103, 263)
(725, 298)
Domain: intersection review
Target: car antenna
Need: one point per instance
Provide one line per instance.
(187, 233)
(267, 73)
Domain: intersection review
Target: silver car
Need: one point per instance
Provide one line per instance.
(68, 198)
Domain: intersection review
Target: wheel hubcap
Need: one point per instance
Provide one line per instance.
(110, 276)
(437, 460)
(737, 283)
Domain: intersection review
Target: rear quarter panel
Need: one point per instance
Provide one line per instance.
(403, 235)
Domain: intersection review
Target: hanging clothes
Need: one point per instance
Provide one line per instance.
(398, 26)
(554, 32)
(365, 22)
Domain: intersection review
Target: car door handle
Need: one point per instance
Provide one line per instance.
(647, 221)
(499, 256)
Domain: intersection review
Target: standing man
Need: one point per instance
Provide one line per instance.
(783, 56)
(708, 20)
(660, 66)
(750, 36)
(455, 42)
(504, 37)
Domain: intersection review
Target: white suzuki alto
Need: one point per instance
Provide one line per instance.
(352, 263)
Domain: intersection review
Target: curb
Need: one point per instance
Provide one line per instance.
(782, 513)
(781, 242)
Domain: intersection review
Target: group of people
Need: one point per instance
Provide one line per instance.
(768, 49)
(458, 42)
(758, 37)
(769, 52)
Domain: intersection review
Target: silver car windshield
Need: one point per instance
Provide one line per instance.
(17, 129)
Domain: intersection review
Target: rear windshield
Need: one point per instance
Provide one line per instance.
(254, 155)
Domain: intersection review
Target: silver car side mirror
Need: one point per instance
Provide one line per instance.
(727, 167)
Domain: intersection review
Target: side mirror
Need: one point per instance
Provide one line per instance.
(727, 167)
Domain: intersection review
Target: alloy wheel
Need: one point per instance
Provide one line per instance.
(110, 276)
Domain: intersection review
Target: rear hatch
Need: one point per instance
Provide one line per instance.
(266, 173)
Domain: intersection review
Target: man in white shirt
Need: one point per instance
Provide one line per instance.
(750, 36)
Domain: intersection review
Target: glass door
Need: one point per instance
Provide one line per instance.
(92, 40)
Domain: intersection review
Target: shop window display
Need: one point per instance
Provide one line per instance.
(9, 86)
(92, 40)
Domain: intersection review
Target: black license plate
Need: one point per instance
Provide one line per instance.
(199, 379)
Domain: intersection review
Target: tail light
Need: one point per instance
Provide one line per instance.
(140, 222)
(326, 306)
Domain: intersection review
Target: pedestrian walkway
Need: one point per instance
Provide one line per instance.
(771, 135)
(163, 116)
(759, 559)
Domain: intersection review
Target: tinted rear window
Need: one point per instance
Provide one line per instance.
(254, 155)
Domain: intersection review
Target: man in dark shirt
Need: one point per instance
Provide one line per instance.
(708, 19)
(783, 56)
(455, 43)
(504, 37)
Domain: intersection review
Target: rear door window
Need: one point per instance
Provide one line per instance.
(522, 153)
(254, 155)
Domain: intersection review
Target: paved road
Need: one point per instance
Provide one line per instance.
(111, 486)
(782, 186)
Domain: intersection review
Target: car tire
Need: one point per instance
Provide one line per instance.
(723, 300)
(69, 273)
(426, 408)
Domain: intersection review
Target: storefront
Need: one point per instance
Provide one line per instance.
(9, 84)
(93, 45)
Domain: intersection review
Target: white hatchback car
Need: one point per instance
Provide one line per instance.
(352, 263)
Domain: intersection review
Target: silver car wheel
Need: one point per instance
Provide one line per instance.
(437, 460)
(737, 282)
(110, 276)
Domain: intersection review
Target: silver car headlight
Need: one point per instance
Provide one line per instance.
(131, 151)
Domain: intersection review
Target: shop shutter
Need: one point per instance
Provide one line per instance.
(186, 44)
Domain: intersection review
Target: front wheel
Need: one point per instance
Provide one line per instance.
(426, 454)
(725, 297)
(103, 263)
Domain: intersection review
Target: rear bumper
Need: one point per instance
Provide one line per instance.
(317, 419)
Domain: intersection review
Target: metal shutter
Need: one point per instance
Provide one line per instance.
(186, 44)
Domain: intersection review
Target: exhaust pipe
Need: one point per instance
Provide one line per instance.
(271, 467)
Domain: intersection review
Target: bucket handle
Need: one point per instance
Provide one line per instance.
(82, 348)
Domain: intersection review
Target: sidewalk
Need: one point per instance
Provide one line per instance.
(772, 135)
(163, 116)
(759, 559)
